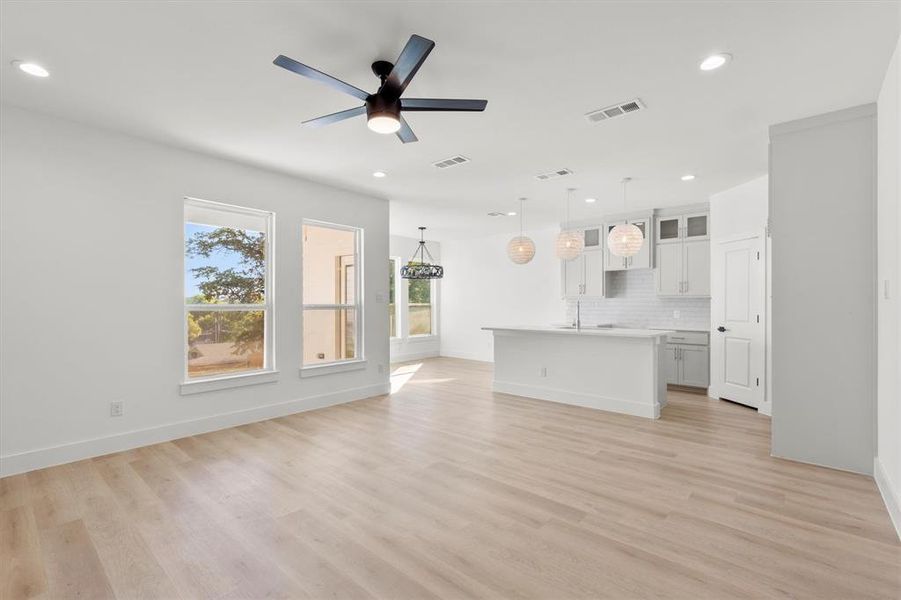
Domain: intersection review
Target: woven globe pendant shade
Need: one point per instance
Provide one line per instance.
(521, 249)
(569, 245)
(625, 240)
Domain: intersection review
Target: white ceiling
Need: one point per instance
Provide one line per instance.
(200, 75)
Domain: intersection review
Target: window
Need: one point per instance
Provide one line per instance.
(228, 299)
(332, 306)
(419, 307)
(392, 297)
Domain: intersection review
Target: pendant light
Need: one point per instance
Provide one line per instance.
(421, 269)
(569, 242)
(625, 239)
(521, 249)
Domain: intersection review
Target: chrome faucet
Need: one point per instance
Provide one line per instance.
(579, 314)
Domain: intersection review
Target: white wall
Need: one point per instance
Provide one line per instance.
(734, 212)
(404, 347)
(822, 177)
(482, 287)
(92, 290)
(887, 466)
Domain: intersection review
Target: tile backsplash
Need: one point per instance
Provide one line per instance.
(632, 302)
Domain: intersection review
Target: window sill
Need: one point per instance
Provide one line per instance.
(426, 337)
(329, 368)
(230, 381)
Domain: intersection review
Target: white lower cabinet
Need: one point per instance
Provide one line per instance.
(688, 363)
(584, 276)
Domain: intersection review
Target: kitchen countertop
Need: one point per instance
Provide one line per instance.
(585, 331)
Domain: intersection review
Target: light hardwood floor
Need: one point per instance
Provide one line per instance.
(447, 490)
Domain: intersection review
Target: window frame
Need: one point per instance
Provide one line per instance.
(398, 324)
(269, 372)
(359, 360)
(433, 312)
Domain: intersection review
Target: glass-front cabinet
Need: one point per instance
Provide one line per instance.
(683, 227)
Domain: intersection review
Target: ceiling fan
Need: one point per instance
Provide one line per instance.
(384, 108)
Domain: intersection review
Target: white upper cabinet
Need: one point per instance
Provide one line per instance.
(584, 275)
(682, 227)
(683, 255)
(592, 238)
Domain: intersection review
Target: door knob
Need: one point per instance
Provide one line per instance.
(721, 329)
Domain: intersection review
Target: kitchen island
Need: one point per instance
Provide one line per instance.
(618, 370)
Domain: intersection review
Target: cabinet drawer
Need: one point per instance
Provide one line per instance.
(698, 338)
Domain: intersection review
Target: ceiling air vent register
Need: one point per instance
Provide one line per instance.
(553, 174)
(453, 161)
(616, 110)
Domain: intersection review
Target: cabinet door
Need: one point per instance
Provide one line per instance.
(592, 238)
(671, 363)
(694, 366)
(573, 277)
(642, 260)
(697, 268)
(669, 229)
(669, 269)
(611, 261)
(695, 227)
(594, 273)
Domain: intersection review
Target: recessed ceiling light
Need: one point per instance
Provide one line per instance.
(715, 61)
(32, 68)
(591, 200)
(511, 214)
(379, 174)
(687, 177)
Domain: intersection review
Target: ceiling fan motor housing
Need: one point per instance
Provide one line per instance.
(378, 105)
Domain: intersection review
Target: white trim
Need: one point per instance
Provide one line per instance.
(12, 464)
(628, 407)
(464, 355)
(410, 356)
(332, 367)
(423, 337)
(210, 384)
(890, 496)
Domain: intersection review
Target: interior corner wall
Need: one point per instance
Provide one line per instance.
(403, 346)
(91, 302)
(737, 211)
(823, 187)
(483, 287)
(887, 465)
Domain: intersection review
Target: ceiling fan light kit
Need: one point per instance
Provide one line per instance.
(384, 108)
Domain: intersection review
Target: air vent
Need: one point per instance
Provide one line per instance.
(553, 174)
(617, 110)
(453, 161)
(495, 214)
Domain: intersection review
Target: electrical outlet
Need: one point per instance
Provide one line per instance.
(542, 372)
(380, 298)
(116, 409)
(677, 314)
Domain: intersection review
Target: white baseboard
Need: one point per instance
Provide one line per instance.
(627, 407)
(408, 356)
(890, 496)
(464, 355)
(12, 464)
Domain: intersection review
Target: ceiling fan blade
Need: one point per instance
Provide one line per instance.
(335, 117)
(302, 69)
(406, 134)
(423, 104)
(409, 61)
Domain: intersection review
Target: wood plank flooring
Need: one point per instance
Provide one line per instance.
(446, 490)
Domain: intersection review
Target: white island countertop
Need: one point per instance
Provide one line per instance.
(586, 330)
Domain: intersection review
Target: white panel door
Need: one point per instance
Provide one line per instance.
(696, 268)
(593, 273)
(737, 310)
(669, 269)
(572, 277)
